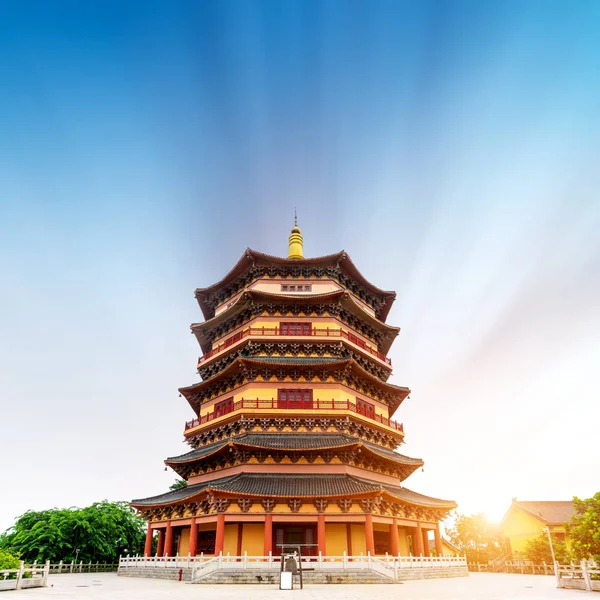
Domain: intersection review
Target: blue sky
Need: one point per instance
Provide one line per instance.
(452, 148)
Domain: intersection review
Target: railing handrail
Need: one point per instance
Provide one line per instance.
(200, 560)
(276, 331)
(274, 403)
(386, 565)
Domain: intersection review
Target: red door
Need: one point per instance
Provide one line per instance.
(223, 407)
(301, 534)
(365, 408)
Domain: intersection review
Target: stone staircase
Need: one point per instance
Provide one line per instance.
(271, 576)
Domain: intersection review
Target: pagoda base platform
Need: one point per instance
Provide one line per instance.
(265, 570)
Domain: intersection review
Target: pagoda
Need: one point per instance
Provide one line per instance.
(292, 440)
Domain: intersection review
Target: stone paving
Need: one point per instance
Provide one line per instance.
(478, 586)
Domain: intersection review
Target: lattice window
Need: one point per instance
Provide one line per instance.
(300, 328)
(296, 287)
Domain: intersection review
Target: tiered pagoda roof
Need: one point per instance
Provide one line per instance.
(253, 265)
(285, 485)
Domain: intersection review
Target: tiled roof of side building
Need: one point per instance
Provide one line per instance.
(553, 512)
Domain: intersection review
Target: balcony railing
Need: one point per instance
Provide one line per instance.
(274, 404)
(276, 331)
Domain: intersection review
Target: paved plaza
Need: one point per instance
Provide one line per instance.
(478, 586)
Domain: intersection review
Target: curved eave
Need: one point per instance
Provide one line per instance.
(293, 442)
(171, 497)
(268, 485)
(331, 341)
(286, 485)
(344, 298)
(390, 333)
(400, 393)
(252, 257)
(416, 499)
(196, 455)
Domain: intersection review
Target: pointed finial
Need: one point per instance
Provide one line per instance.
(295, 241)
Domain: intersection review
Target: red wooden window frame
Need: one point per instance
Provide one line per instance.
(296, 398)
(365, 408)
(224, 407)
(295, 328)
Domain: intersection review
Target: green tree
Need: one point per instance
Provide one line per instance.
(584, 528)
(8, 560)
(477, 537)
(538, 550)
(179, 484)
(99, 532)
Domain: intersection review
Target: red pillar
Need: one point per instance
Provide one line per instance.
(349, 538)
(321, 534)
(370, 538)
(438, 540)
(268, 534)
(220, 535)
(394, 549)
(240, 532)
(169, 540)
(193, 538)
(148, 546)
(161, 542)
(418, 540)
(426, 550)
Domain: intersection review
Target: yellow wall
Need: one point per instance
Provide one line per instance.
(184, 545)
(270, 391)
(402, 542)
(253, 539)
(230, 541)
(520, 527)
(447, 550)
(359, 541)
(336, 539)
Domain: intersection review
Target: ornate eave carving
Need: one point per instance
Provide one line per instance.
(284, 271)
(309, 424)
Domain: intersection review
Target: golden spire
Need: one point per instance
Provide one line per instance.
(295, 241)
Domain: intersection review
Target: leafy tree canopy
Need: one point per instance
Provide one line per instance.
(584, 528)
(476, 536)
(538, 550)
(8, 560)
(179, 484)
(100, 532)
